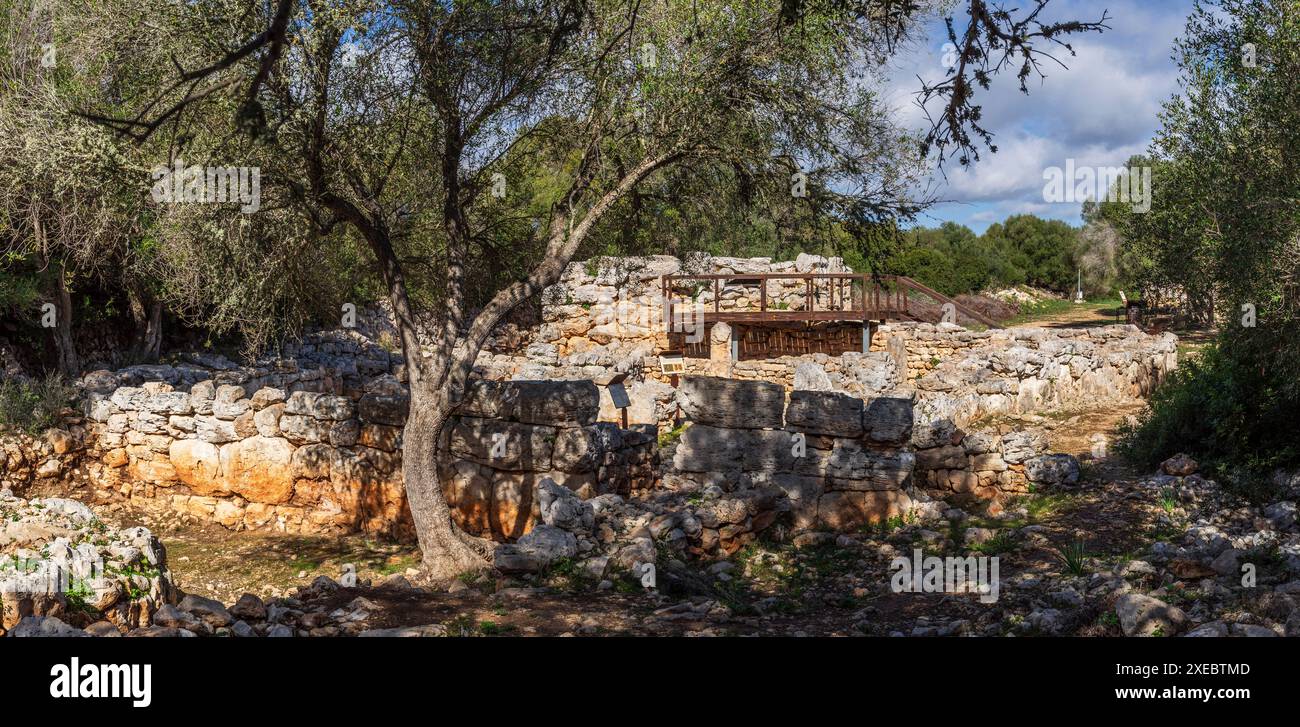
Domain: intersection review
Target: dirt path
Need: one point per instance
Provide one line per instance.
(1073, 315)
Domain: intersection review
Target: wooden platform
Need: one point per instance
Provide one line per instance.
(846, 296)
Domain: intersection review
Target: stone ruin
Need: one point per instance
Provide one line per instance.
(310, 440)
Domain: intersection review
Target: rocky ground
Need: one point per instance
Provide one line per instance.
(1165, 554)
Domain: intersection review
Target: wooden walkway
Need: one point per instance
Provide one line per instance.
(829, 297)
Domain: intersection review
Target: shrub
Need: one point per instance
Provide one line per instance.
(34, 405)
(1231, 408)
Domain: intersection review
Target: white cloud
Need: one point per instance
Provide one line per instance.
(1099, 112)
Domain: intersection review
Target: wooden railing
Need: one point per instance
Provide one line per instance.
(827, 296)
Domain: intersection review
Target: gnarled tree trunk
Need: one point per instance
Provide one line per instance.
(447, 550)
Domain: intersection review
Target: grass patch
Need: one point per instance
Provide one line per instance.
(1073, 557)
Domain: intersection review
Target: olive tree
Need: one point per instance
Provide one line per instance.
(473, 148)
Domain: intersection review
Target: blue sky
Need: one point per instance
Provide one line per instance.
(1102, 109)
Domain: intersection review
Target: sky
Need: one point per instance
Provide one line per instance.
(1101, 110)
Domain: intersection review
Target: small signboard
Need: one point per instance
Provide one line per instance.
(618, 394)
(672, 363)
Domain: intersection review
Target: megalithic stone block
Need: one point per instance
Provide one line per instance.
(732, 403)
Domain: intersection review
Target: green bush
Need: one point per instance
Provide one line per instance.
(33, 405)
(1231, 409)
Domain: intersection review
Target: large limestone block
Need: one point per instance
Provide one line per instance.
(732, 403)
(129, 398)
(843, 511)
(825, 412)
(888, 420)
(467, 488)
(301, 429)
(259, 469)
(267, 419)
(314, 462)
(379, 436)
(562, 403)
(1053, 469)
(213, 430)
(319, 406)
(503, 445)
(386, 409)
(703, 448)
(513, 511)
(851, 466)
(230, 402)
(946, 457)
(582, 449)
(198, 464)
(774, 450)
(168, 402)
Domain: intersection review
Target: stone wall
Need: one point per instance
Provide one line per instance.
(510, 436)
(616, 303)
(254, 457)
(838, 461)
(235, 449)
(963, 375)
(969, 468)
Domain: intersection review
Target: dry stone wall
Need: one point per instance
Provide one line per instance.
(963, 375)
(511, 436)
(239, 449)
(837, 461)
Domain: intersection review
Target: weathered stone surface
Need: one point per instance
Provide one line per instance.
(513, 509)
(850, 510)
(563, 403)
(888, 420)
(809, 376)
(266, 396)
(1053, 469)
(389, 439)
(259, 469)
(168, 402)
(44, 627)
(825, 412)
(249, 608)
(1020, 446)
(267, 419)
(198, 464)
(1141, 615)
(1179, 465)
(230, 402)
(387, 409)
(206, 609)
(319, 406)
(560, 507)
(949, 457)
(468, 491)
(704, 448)
(869, 470)
(504, 445)
(215, 431)
(345, 433)
(314, 462)
(732, 403)
(582, 449)
(301, 429)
